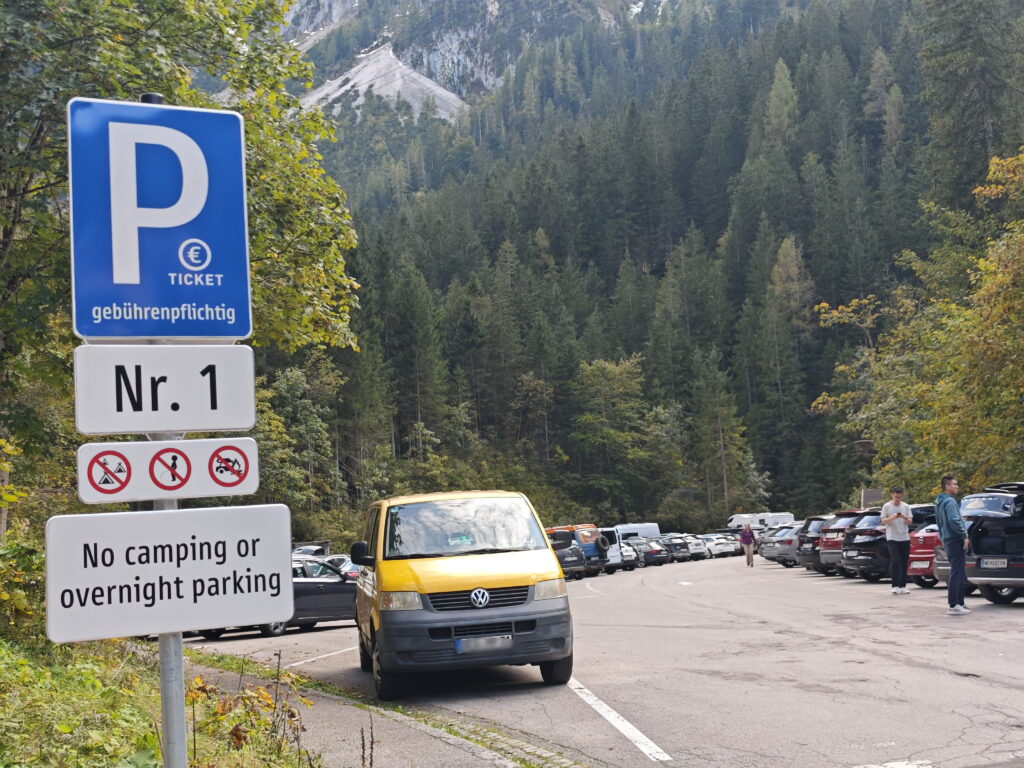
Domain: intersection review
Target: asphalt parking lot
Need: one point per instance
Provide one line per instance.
(712, 664)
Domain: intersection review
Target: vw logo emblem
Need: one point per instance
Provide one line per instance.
(479, 598)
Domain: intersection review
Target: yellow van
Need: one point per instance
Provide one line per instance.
(459, 580)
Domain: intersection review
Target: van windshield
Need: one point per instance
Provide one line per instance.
(452, 527)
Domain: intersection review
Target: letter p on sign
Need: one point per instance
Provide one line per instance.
(126, 216)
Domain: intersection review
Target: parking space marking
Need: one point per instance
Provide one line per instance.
(901, 764)
(321, 656)
(595, 591)
(685, 583)
(621, 724)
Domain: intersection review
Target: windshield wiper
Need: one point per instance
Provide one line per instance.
(414, 555)
(490, 551)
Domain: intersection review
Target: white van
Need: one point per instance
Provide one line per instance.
(614, 553)
(762, 520)
(638, 530)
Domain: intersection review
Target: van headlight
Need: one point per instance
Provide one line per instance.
(400, 601)
(546, 590)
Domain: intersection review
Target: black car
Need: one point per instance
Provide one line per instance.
(676, 545)
(573, 561)
(996, 556)
(322, 593)
(865, 550)
(808, 538)
(650, 552)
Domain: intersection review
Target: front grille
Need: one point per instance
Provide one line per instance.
(484, 630)
(501, 597)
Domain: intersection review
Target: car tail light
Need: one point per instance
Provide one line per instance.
(787, 542)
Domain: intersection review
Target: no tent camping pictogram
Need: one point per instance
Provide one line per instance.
(170, 469)
(228, 466)
(109, 472)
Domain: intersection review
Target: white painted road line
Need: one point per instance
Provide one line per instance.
(321, 656)
(901, 764)
(624, 727)
(685, 583)
(595, 591)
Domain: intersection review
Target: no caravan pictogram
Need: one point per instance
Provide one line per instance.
(228, 466)
(109, 472)
(170, 469)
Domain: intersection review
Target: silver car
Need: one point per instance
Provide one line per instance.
(781, 546)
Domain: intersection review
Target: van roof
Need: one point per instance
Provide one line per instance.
(418, 497)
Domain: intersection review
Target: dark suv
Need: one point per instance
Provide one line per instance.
(996, 560)
(830, 545)
(865, 550)
(808, 540)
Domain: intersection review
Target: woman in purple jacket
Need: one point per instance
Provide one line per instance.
(747, 539)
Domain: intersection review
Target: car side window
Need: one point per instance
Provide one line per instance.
(370, 532)
(324, 571)
(298, 572)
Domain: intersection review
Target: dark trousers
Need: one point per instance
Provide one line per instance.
(899, 553)
(957, 575)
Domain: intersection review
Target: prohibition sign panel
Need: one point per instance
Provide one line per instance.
(228, 466)
(109, 472)
(170, 469)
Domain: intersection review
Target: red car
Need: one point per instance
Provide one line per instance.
(830, 548)
(923, 542)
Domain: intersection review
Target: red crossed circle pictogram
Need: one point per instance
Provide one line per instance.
(170, 469)
(229, 466)
(107, 479)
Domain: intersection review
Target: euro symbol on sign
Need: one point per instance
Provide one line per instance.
(194, 254)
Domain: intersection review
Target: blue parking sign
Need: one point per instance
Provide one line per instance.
(159, 239)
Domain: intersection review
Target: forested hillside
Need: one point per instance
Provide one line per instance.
(708, 257)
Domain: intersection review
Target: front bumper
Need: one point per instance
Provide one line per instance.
(411, 641)
(1011, 576)
(809, 558)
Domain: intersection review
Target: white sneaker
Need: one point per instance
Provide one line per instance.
(895, 590)
(904, 591)
(957, 610)
(964, 609)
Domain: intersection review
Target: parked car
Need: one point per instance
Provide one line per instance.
(614, 553)
(830, 546)
(717, 544)
(808, 539)
(996, 541)
(676, 545)
(764, 535)
(629, 556)
(344, 564)
(572, 560)
(698, 547)
(734, 541)
(650, 552)
(591, 541)
(865, 549)
(921, 564)
(781, 546)
(322, 593)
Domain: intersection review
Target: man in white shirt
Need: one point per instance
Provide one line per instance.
(897, 517)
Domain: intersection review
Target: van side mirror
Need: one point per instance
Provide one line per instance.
(561, 544)
(360, 554)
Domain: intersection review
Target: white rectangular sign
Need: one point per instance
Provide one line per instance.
(109, 473)
(137, 388)
(119, 574)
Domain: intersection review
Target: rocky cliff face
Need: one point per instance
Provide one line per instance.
(310, 21)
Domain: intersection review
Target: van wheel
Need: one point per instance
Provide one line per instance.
(365, 662)
(999, 595)
(556, 672)
(386, 685)
(925, 582)
(276, 629)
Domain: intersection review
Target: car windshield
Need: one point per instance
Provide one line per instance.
(452, 527)
(813, 526)
(869, 521)
(842, 522)
(993, 503)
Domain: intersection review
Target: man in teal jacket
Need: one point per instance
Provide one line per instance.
(953, 533)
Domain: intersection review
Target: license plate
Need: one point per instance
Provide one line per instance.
(833, 535)
(851, 553)
(483, 644)
(920, 564)
(992, 562)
